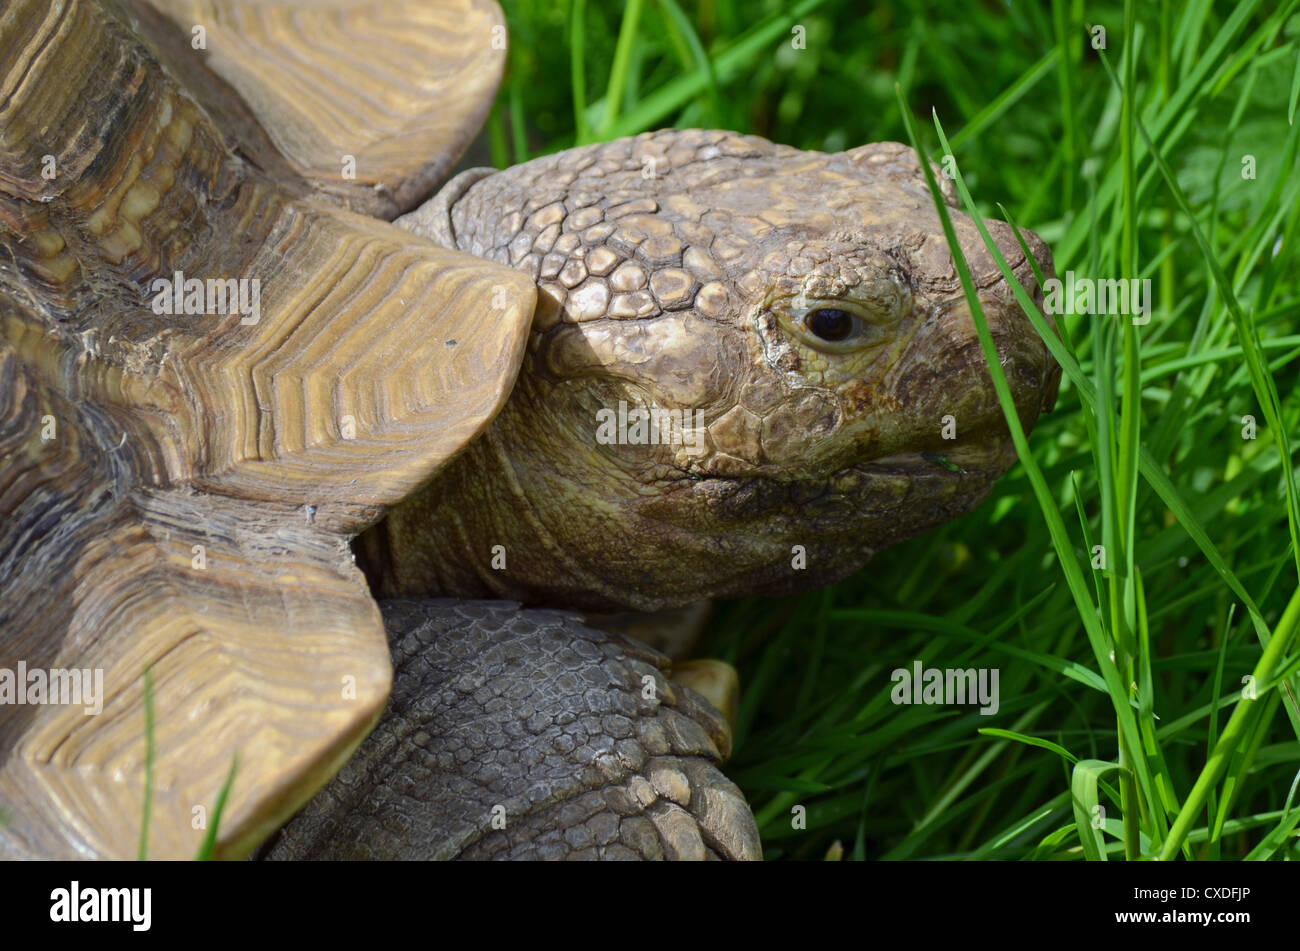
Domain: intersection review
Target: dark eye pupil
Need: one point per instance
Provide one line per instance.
(830, 323)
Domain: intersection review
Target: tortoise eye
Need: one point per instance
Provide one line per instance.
(830, 323)
(840, 325)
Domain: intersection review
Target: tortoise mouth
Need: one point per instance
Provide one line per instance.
(885, 485)
(895, 495)
(953, 462)
(749, 525)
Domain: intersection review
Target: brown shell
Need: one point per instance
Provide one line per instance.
(398, 87)
(177, 489)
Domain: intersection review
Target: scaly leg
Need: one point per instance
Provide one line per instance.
(524, 734)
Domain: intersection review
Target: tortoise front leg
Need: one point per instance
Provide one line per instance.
(524, 734)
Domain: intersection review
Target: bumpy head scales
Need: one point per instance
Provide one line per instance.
(751, 368)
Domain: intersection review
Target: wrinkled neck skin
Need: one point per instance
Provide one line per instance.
(776, 463)
(575, 523)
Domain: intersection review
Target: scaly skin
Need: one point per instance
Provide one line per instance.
(677, 269)
(525, 735)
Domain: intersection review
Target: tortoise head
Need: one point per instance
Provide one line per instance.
(751, 368)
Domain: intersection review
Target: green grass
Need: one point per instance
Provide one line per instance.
(1121, 688)
(208, 849)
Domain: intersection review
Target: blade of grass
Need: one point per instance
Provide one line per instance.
(209, 846)
(619, 70)
(1084, 799)
(1295, 92)
(1281, 832)
(669, 98)
(1007, 98)
(681, 23)
(578, 70)
(1056, 748)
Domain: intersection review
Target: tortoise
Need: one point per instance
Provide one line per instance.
(291, 435)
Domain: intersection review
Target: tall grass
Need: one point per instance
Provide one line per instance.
(1149, 708)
